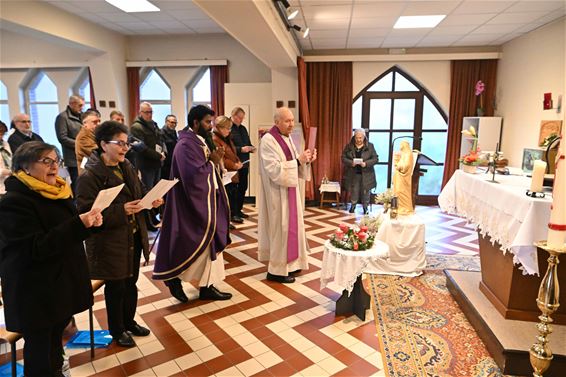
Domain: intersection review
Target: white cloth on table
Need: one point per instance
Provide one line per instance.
(330, 187)
(501, 211)
(406, 239)
(344, 266)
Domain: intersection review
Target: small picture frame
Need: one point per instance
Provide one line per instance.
(529, 156)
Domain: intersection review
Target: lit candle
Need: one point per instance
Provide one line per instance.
(557, 224)
(539, 167)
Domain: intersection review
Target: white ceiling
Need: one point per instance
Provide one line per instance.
(347, 24)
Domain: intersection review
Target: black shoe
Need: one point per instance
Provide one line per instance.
(280, 279)
(352, 208)
(176, 289)
(296, 272)
(138, 330)
(125, 340)
(366, 211)
(231, 226)
(237, 220)
(212, 293)
(243, 215)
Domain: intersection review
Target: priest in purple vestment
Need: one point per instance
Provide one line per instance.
(195, 223)
(281, 233)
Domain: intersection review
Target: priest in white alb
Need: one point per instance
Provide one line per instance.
(281, 233)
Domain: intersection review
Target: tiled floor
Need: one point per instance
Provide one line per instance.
(266, 328)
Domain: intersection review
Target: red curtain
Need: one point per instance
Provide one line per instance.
(133, 74)
(329, 92)
(92, 98)
(463, 102)
(218, 77)
(304, 116)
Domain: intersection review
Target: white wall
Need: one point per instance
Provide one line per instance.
(531, 65)
(285, 87)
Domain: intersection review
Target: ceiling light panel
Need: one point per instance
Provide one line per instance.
(133, 6)
(418, 22)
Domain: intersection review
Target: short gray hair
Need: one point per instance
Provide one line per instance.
(31, 152)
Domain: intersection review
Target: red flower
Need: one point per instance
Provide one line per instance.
(364, 228)
(339, 234)
(362, 236)
(344, 227)
(356, 246)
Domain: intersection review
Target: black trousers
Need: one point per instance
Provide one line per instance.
(43, 351)
(121, 296)
(242, 188)
(232, 192)
(358, 193)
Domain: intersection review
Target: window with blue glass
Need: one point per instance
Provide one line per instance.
(43, 107)
(198, 90)
(155, 90)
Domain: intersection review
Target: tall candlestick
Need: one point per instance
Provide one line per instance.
(557, 225)
(539, 167)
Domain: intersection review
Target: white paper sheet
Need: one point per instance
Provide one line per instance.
(106, 197)
(157, 192)
(358, 161)
(227, 177)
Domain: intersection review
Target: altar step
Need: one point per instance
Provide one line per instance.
(508, 341)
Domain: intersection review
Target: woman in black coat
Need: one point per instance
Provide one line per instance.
(42, 261)
(359, 158)
(114, 253)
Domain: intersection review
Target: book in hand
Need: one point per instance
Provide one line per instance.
(157, 192)
(358, 161)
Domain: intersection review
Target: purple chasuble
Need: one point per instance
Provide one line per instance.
(293, 234)
(196, 213)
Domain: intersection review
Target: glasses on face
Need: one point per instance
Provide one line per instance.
(120, 143)
(23, 121)
(50, 162)
(147, 111)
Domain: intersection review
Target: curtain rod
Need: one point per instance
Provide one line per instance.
(175, 63)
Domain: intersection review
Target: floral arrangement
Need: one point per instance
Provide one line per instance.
(479, 89)
(385, 197)
(472, 157)
(358, 236)
(550, 139)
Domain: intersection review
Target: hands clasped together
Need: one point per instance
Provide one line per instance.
(307, 156)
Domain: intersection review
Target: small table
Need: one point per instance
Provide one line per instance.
(332, 191)
(345, 268)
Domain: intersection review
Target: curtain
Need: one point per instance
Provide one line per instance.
(92, 99)
(304, 115)
(218, 77)
(133, 92)
(329, 91)
(463, 102)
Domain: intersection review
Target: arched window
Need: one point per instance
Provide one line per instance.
(82, 87)
(4, 110)
(43, 107)
(396, 107)
(198, 90)
(155, 90)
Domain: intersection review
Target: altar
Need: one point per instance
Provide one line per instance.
(509, 222)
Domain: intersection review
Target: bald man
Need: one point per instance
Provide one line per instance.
(22, 133)
(281, 233)
(67, 126)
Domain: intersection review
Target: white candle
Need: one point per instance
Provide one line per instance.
(539, 167)
(557, 225)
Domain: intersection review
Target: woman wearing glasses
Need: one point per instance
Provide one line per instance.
(114, 253)
(42, 261)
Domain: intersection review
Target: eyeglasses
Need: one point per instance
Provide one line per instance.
(50, 162)
(147, 111)
(23, 121)
(120, 143)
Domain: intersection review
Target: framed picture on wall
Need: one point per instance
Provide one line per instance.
(529, 156)
(548, 128)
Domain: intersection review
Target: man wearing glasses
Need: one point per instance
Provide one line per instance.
(67, 126)
(22, 133)
(169, 132)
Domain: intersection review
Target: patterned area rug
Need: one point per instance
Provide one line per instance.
(453, 262)
(422, 330)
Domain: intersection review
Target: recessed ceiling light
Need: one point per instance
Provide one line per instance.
(306, 33)
(415, 22)
(131, 6)
(293, 14)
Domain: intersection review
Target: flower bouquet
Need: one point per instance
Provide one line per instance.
(385, 198)
(358, 236)
(479, 89)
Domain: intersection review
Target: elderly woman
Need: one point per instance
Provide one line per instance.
(231, 162)
(43, 266)
(359, 158)
(114, 253)
(5, 158)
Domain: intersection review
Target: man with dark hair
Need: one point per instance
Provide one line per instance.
(169, 133)
(86, 142)
(67, 126)
(244, 147)
(196, 218)
(22, 133)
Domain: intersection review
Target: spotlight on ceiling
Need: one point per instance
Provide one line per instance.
(292, 14)
(306, 33)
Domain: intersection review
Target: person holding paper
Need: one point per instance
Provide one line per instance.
(359, 158)
(114, 253)
(244, 147)
(281, 233)
(196, 218)
(231, 162)
(43, 267)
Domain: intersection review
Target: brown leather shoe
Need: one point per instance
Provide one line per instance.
(280, 279)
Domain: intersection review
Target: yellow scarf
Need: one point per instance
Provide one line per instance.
(61, 190)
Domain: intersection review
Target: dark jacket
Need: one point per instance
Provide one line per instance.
(230, 158)
(110, 251)
(67, 127)
(149, 133)
(42, 260)
(169, 138)
(17, 138)
(241, 138)
(368, 173)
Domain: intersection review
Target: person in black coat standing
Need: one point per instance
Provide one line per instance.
(114, 253)
(42, 261)
(244, 147)
(169, 133)
(67, 126)
(22, 132)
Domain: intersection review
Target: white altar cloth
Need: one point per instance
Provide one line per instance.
(405, 236)
(344, 266)
(501, 211)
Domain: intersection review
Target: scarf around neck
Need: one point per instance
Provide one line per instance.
(61, 190)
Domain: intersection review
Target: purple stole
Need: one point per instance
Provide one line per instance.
(293, 234)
